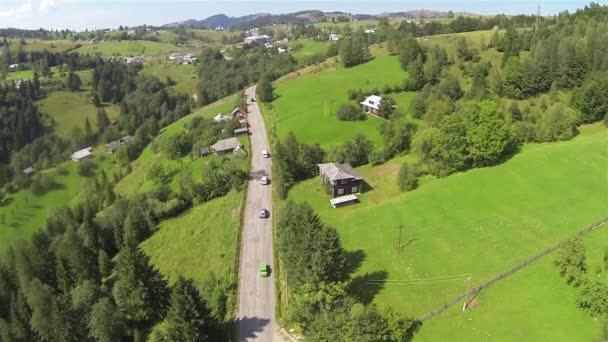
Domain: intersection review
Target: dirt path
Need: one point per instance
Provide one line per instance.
(256, 318)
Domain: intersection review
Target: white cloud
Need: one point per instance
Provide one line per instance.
(18, 11)
(47, 5)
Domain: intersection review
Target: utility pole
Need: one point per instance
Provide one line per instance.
(400, 227)
(466, 302)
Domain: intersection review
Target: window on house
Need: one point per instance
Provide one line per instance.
(344, 181)
(355, 189)
(340, 191)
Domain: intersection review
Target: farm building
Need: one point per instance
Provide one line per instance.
(28, 171)
(260, 39)
(221, 118)
(203, 152)
(126, 140)
(135, 60)
(226, 146)
(341, 179)
(241, 131)
(371, 104)
(238, 113)
(334, 37)
(112, 147)
(83, 154)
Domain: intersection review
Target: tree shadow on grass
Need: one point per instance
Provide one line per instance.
(366, 287)
(366, 187)
(354, 260)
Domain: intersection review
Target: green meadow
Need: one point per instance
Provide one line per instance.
(56, 45)
(136, 180)
(307, 105)
(303, 48)
(128, 48)
(185, 76)
(25, 212)
(199, 242)
(70, 109)
(538, 197)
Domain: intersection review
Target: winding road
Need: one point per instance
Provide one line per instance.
(256, 318)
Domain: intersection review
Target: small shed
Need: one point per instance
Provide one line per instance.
(83, 154)
(203, 152)
(112, 147)
(343, 200)
(226, 146)
(126, 139)
(28, 171)
(371, 104)
(241, 131)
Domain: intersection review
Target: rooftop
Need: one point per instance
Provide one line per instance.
(334, 171)
(226, 144)
(372, 101)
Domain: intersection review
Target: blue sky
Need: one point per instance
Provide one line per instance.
(81, 14)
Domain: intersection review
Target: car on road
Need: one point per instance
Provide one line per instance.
(263, 213)
(252, 99)
(265, 154)
(264, 270)
(265, 180)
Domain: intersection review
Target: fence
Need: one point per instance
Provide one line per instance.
(473, 291)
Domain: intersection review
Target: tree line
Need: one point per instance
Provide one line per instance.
(324, 304)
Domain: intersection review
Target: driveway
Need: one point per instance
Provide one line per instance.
(256, 317)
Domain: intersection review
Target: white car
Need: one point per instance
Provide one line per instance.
(265, 180)
(263, 213)
(265, 154)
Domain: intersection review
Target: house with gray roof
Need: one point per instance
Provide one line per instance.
(341, 179)
(226, 146)
(112, 147)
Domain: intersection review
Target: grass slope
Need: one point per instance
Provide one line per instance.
(307, 105)
(199, 242)
(128, 48)
(534, 304)
(540, 196)
(303, 48)
(24, 213)
(136, 180)
(185, 76)
(70, 109)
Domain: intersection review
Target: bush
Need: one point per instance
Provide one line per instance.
(349, 112)
(377, 158)
(42, 184)
(86, 168)
(407, 178)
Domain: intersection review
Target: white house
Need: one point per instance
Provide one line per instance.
(261, 39)
(135, 60)
(13, 67)
(83, 154)
(370, 31)
(371, 104)
(334, 37)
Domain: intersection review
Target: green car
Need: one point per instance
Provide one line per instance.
(264, 270)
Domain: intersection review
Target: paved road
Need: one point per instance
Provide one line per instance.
(256, 317)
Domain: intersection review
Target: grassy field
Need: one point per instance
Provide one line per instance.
(199, 242)
(24, 213)
(303, 48)
(307, 105)
(544, 309)
(185, 76)
(70, 109)
(57, 45)
(538, 197)
(128, 48)
(136, 180)
(85, 75)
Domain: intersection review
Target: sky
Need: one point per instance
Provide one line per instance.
(92, 14)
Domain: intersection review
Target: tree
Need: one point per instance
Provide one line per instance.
(95, 100)
(449, 147)
(416, 79)
(556, 123)
(265, 90)
(102, 120)
(450, 86)
(409, 51)
(353, 51)
(407, 179)
(437, 109)
(88, 131)
(73, 81)
(137, 226)
(387, 107)
(591, 99)
(349, 112)
(140, 291)
(572, 261)
(107, 324)
(488, 131)
(450, 15)
(593, 298)
(188, 318)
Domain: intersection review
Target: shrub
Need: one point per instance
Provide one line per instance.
(407, 179)
(376, 158)
(85, 168)
(349, 112)
(42, 184)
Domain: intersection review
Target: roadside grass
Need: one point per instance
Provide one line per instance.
(136, 181)
(128, 48)
(200, 242)
(25, 212)
(534, 304)
(307, 105)
(70, 109)
(185, 76)
(538, 197)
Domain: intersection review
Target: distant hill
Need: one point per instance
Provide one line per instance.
(310, 16)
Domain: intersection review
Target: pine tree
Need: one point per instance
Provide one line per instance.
(102, 120)
(107, 324)
(189, 318)
(265, 91)
(88, 131)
